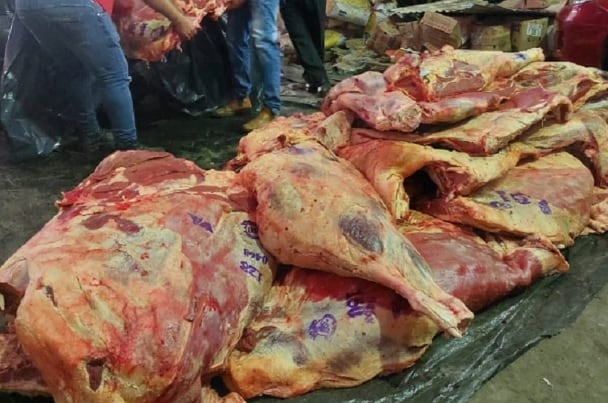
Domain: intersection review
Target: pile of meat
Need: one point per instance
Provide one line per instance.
(148, 35)
(332, 249)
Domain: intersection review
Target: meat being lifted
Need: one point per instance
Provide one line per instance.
(147, 35)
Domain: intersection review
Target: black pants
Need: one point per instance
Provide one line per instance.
(305, 22)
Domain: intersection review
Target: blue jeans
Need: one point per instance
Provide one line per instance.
(255, 21)
(82, 40)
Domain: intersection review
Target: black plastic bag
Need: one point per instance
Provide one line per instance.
(197, 76)
(31, 109)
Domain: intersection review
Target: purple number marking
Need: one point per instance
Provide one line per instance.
(521, 198)
(251, 270)
(255, 255)
(500, 205)
(199, 222)
(142, 29)
(503, 195)
(325, 327)
(357, 307)
(544, 207)
(251, 229)
(518, 197)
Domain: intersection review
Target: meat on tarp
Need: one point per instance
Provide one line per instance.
(320, 330)
(140, 286)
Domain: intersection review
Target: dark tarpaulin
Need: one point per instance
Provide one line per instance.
(197, 76)
(33, 112)
(453, 370)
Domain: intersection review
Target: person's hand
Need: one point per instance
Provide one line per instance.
(185, 27)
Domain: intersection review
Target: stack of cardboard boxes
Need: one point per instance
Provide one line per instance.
(435, 30)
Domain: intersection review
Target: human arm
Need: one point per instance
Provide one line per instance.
(185, 27)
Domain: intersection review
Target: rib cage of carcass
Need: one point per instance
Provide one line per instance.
(418, 195)
(147, 35)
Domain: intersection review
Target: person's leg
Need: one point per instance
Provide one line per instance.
(299, 17)
(83, 29)
(265, 36)
(237, 36)
(316, 27)
(238, 29)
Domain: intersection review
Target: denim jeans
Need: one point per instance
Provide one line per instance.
(81, 38)
(255, 22)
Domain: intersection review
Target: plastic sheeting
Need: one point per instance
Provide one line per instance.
(197, 76)
(452, 370)
(30, 110)
(33, 112)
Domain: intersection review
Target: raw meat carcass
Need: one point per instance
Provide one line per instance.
(489, 132)
(317, 211)
(585, 136)
(386, 164)
(550, 197)
(332, 131)
(459, 107)
(369, 83)
(17, 373)
(598, 215)
(320, 330)
(147, 35)
(430, 76)
(386, 111)
(141, 285)
(578, 83)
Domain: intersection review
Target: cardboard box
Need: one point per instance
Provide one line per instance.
(491, 37)
(386, 36)
(410, 35)
(437, 30)
(526, 34)
(353, 11)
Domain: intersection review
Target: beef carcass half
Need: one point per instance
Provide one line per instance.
(369, 83)
(386, 111)
(332, 131)
(320, 330)
(17, 373)
(489, 132)
(585, 136)
(430, 76)
(141, 285)
(578, 83)
(317, 211)
(387, 163)
(550, 197)
(148, 35)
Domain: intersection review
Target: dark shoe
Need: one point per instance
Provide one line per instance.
(265, 116)
(103, 142)
(234, 107)
(136, 145)
(319, 90)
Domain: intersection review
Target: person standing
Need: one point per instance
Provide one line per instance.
(255, 21)
(305, 23)
(80, 37)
